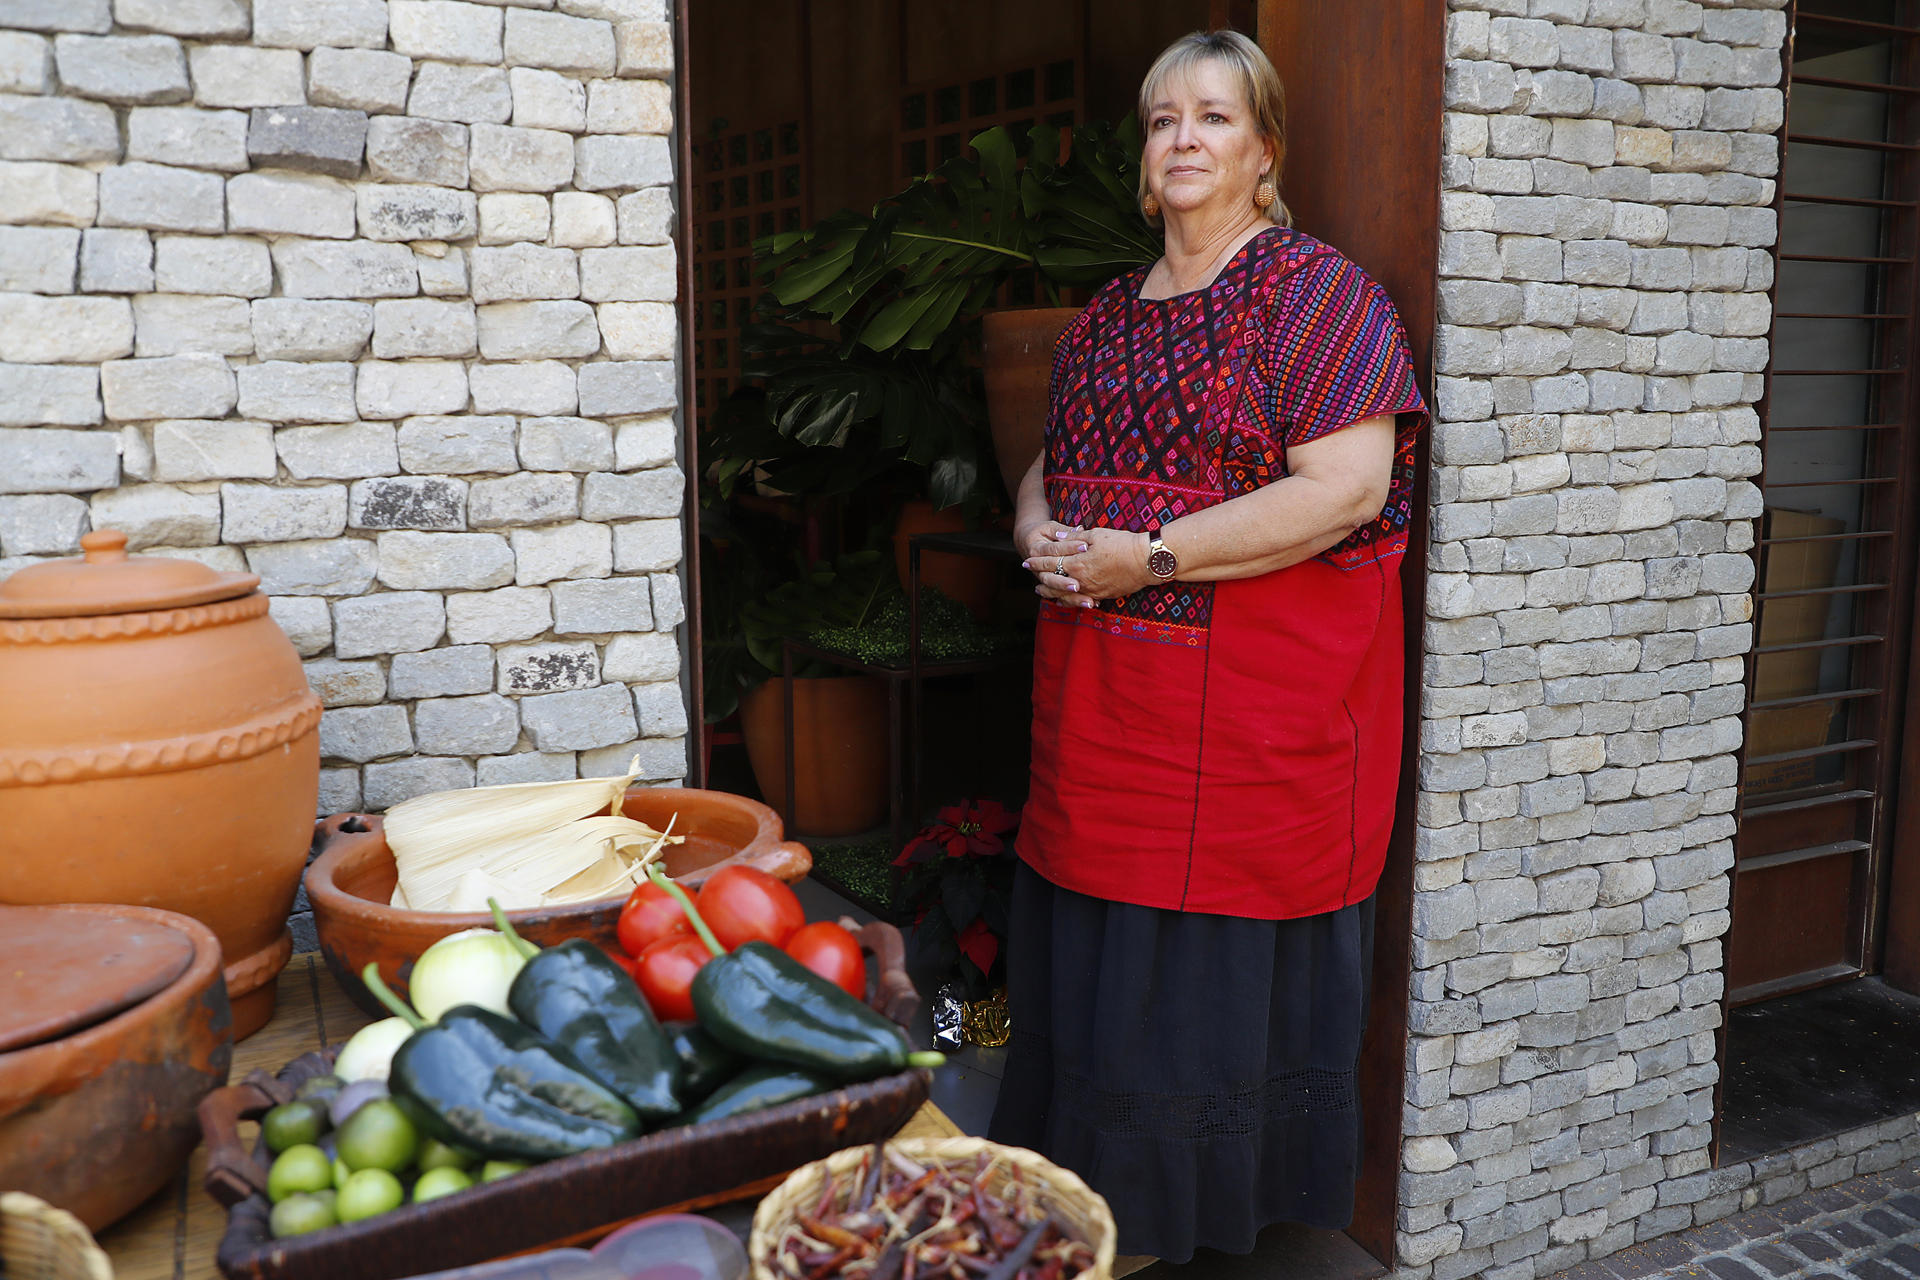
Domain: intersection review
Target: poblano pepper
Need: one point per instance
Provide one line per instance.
(577, 997)
(762, 1085)
(484, 1081)
(705, 1063)
(759, 1001)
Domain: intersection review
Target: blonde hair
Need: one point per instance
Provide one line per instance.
(1259, 82)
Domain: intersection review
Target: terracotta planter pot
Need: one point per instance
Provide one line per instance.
(352, 880)
(840, 766)
(1017, 364)
(158, 746)
(97, 1119)
(969, 579)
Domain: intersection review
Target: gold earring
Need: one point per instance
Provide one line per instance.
(1264, 195)
(1150, 206)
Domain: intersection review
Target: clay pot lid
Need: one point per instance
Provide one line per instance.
(65, 969)
(108, 580)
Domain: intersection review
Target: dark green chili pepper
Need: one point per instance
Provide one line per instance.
(483, 1081)
(705, 1063)
(765, 1084)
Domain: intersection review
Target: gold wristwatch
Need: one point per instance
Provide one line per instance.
(1161, 562)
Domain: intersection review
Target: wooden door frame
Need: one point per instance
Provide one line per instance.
(1364, 104)
(689, 430)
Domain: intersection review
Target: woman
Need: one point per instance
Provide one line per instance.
(1215, 525)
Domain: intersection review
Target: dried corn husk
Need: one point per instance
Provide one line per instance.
(525, 844)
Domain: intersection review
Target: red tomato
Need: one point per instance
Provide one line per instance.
(665, 971)
(831, 952)
(743, 903)
(651, 914)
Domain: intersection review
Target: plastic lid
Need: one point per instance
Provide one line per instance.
(674, 1246)
(108, 580)
(68, 968)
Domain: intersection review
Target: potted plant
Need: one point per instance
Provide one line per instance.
(957, 884)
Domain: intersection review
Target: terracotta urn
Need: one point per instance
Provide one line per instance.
(158, 746)
(1016, 353)
(106, 1053)
(840, 759)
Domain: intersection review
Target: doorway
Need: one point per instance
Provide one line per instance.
(1820, 944)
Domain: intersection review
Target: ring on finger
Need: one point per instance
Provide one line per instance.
(1060, 567)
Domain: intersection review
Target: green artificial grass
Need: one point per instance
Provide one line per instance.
(862, 870)
(948, 633)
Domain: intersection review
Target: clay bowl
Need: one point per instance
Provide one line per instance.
(97, 1120)
(351, 883)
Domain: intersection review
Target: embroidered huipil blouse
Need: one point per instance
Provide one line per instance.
(1228, 747)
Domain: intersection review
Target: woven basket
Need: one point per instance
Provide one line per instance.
(1063, 1194)
(40, 1242)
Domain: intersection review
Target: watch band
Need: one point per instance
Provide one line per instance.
(1161, 562)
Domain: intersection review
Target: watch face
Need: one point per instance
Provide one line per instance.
(1161, 563)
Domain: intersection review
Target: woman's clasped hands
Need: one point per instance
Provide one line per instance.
(1078, 567)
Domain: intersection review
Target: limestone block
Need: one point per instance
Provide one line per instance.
(618, 162)
(563, 551)
(581, 719)
(644, 546)
(547, 668)
(347, 684)
(659, 493)
(160, 197)
(629, 106)
(530, 497)
(601, 607)
(669, 605)
(422, 327)
(509, 218)
(308, 24)
(400, 389)
(232, 75)
(617, 10)
(467, 726)
(547, 100)
(364, 79)
(43, 524)
(316, 139)
(294, 329)
(644, 442)
(528, 766)
(628, 274)
(566, 444)
(186, 450)
(46, 260)
(360, 734)
(186, 386)
(170, 324)
(57, 15)
(407, 150)
(271, 513)
(662, 710)
(497, 617)
(34, 192)
(457, 445)
(443, 270)
(646, 217)
(662, 760)
(444, 561)
(42, 128)
(644, 50)
(290, 204)
(26, 63)
(336, 567)
(439, 673)
(433, 503)
(509, 159)
(445, 29)
(45, 460)
(540, 388)
(649, 330)
(47, 395)
(393, 211)
(524, 271)
(535, 39)
(470, 95)
(188, 136)
(232, 266)
(125, 69)
(292, 391)
(323, 269)
(614, 387)
(538, 330)
(581, 220)
(388, 622)
(306, 621)
(389, 784)
(339, 451)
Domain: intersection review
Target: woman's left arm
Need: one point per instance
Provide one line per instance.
(1335, 484)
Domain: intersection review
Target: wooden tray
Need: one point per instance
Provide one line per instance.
(570, 1201)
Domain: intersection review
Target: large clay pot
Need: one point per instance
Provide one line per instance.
(969, 579)
(840, 765)
(351, 883)
(1016, 349)
(104, 1059)
(158, 746)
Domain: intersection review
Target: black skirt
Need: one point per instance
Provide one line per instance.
(1197, 1070)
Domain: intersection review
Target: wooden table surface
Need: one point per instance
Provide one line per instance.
(174, 1235)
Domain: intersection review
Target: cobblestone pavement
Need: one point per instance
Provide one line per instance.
(1867, 1228)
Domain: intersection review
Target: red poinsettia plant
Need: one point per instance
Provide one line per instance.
(957, 878)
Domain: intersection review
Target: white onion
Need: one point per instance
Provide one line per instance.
(474, 966)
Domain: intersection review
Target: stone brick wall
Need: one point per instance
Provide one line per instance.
(375, 299)
(1605, 263)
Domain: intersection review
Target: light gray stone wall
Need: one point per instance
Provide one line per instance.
(1605, 258)
(373, 298)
